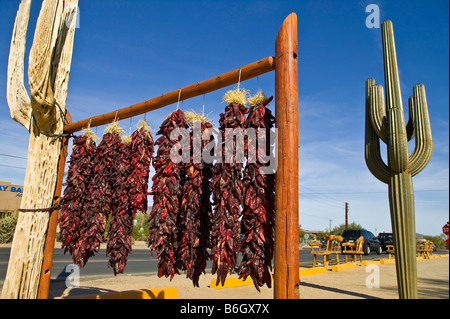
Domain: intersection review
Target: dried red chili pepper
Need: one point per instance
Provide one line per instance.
(166, 190)
(258, 218)
(227, 191)
(194, 220)
(78, 179)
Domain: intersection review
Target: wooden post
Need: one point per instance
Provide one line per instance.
(286, 264)
(44, 282)
(346, 215)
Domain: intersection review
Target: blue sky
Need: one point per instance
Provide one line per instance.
(126, 52)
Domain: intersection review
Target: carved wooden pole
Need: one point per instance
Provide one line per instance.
(286, 263)
(43, 115)
(386, 122)
(46, 271)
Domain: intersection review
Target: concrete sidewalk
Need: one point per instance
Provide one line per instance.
(433, 283)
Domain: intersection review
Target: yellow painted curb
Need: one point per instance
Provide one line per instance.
(157, 293)
(343, 266)
(231, 282)
(387, 261)
(419, 258)
(312, 271)
(370, 262)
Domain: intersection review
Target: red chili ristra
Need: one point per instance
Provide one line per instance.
(131, 195)
(167, 191)
(78, 179)
(195, 214)
(227, 191)
(258, 218)
(121, 226)
(141, 156)
(99, 202)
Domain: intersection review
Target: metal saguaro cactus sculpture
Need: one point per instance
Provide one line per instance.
(386, 122)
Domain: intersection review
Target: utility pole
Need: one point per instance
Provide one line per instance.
(346, 215)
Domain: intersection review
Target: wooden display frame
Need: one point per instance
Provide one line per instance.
(285, 65)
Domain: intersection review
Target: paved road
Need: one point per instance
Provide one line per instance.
(140, 262)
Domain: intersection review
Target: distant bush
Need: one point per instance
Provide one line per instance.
(439, 241)
(338, 230)
(7, 227)
(140, 227)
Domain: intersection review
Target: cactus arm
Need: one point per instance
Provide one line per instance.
(378, 113)
(373, 158)
(398, 154)
(372, 154)
(410, 125)
(18, 100)
(422, 131)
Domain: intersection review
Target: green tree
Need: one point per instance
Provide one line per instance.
(7, 226)
(140, 227)
(340, 228)
(439, 241)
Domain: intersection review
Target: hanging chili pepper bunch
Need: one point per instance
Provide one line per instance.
(121, 225)
(195, 212)
(130, 194)
(101, 195)
(142, 150)
(258, 218)
(167, 191)
(78, 180)
(205, 215)
(227, 190)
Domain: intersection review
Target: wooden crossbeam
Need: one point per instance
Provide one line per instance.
(226, 79)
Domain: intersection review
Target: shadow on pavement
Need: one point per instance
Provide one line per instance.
(432, 288)
(338, 291)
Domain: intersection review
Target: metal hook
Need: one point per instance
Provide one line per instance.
(203, 108)
(239, 81)
(131, 119)
(179, 96)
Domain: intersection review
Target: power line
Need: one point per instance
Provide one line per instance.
(369, 192)
(15, 137)
(12, 166)
(321, 201)
(13, 156)
(322, 198)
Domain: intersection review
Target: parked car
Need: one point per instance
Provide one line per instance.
(371, 243)
(385, 239)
